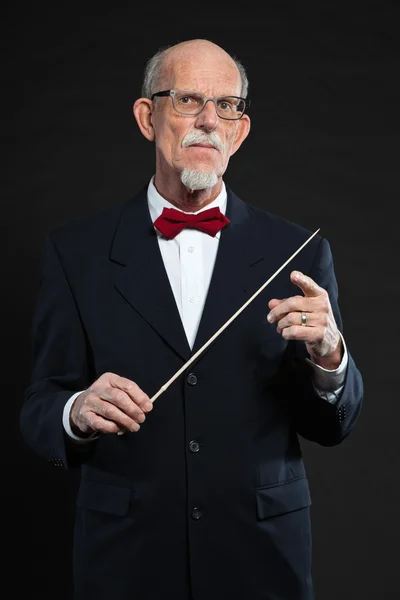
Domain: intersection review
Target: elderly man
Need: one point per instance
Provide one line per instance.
(204, 495)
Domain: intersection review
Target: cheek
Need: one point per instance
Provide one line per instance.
(228, 144)
(230, 136)
(168, 141)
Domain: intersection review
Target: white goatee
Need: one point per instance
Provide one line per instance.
(198, 180)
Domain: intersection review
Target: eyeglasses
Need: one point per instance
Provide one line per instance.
(192, 103)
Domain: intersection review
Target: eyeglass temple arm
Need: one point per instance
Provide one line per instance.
(164, 93)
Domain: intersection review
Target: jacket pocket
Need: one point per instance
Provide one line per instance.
(281, 498)
(104, 497)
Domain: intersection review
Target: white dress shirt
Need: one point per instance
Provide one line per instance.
(189, 261)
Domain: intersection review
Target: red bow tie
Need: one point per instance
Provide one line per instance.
(171, 221)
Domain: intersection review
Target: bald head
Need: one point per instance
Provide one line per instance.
(196, 50)
(181, 59)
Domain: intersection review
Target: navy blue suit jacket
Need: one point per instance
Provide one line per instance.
(157, 515)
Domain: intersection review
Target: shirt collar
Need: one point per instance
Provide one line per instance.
(157, 203)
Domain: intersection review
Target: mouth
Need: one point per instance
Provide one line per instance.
(202, 145)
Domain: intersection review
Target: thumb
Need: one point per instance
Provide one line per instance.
(306, 284)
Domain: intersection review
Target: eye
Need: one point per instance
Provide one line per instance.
(189, 99)
(226, 104)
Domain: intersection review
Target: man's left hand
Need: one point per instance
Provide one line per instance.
(319, 331)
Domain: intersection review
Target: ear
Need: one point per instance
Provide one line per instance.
(242, 132)
(142, 110)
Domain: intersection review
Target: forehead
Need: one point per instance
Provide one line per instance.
(202, 69)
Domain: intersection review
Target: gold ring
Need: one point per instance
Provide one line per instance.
(303, 319)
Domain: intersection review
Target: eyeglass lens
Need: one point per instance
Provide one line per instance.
(192, 103)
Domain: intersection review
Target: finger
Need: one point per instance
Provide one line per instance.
(109, 412)
(306, 284)
(311, 335)
(102, 425)
(131, 388)
(275, 302)
(292, 304)
(118, 398)
(295, 319)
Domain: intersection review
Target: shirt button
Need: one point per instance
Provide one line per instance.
(191, 379)
(194, 446)
(191, 249)
(197, 513)
(192, 299)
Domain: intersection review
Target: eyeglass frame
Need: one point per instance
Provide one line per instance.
(171, 93)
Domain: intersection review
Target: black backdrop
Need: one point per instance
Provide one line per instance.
(323, 151)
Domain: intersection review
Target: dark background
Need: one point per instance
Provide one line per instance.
(323, 151)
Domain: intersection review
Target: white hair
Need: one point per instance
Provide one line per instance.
(198, 180)
(197, 136)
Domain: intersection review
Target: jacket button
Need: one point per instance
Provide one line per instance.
(194, 446)
(196, 513)
(191, 379)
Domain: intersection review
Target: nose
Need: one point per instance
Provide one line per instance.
(208, 118)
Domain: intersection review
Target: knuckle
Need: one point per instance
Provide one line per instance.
(136, 411)
(310, 282)
(112, 394)
(93, 422)
(109, 391)
(106, 410)
(143, 399)
(291, 302)
(325, 296)
(119, 396)
(131, 388)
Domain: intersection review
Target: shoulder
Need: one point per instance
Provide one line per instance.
(92, 226)
(268, 223)
(270, 220)
(93, 233)
(279, 238)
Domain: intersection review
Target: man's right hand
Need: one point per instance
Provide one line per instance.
(112, 404)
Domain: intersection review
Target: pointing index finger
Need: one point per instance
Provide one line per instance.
(306, 284)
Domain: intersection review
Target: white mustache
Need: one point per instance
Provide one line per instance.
(199, 137)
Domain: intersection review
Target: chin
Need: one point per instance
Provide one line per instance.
(198, 180)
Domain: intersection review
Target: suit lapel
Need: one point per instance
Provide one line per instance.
(140, 275)
(141, 278)
(237, 251)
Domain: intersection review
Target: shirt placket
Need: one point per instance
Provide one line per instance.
(192, 281)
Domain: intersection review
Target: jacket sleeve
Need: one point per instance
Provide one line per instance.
(60, 366)
(314, 418)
